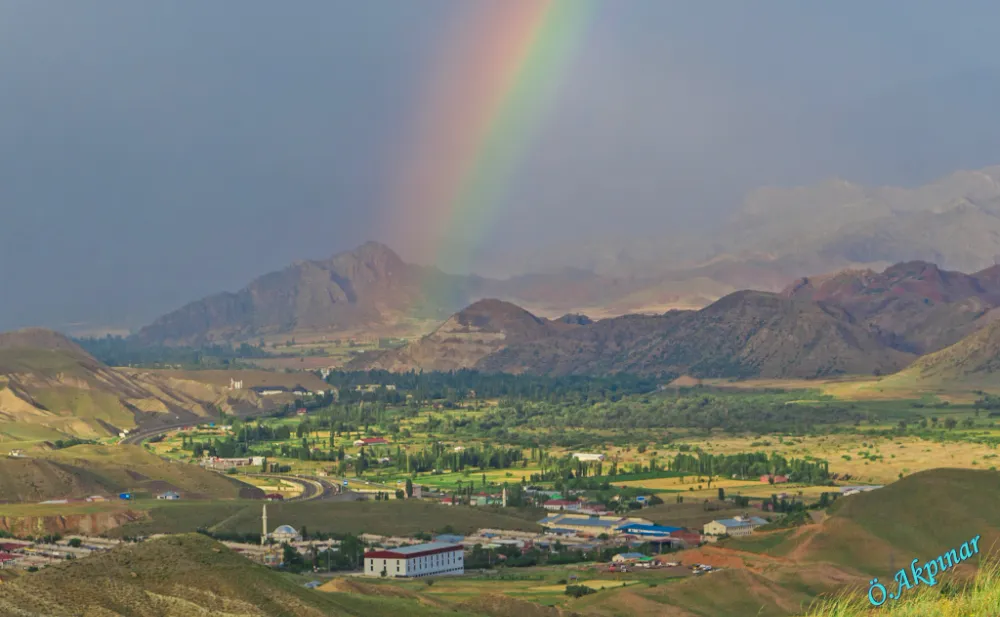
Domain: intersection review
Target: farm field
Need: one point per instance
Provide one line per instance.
(395, 517)
(544, 585)
(864, 458)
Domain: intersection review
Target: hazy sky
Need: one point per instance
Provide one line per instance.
(156, 152)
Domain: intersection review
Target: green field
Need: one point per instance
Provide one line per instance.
(403, 518)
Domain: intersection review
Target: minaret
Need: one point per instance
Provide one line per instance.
(263, 535)
(505, 496)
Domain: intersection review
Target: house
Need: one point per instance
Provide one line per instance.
(96, 498)
(16, 453)
(169, 496)
(214, 462)
(627, 557)
(737, 527)
(689, 539)
(586, 456)
(449, 501)
(561, 504)
(431, 559)
(301, 411)
(766, 479)
(371, 441)
(7, 559)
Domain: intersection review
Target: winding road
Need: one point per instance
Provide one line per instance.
(313, 487)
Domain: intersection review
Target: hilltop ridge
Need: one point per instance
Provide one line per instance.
(51, 388)
(467, 337)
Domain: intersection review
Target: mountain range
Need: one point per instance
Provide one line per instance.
(778, 235)
(852, 322)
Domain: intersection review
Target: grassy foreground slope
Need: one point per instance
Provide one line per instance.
(182, 576)
(980, 598)
(920, 516)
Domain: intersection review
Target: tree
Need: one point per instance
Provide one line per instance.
(409, 488)
(722, 494)
(950, 423)
(76, 542)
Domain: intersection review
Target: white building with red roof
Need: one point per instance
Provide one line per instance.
(431, 559)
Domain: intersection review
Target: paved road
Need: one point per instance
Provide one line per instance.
(137, 438)
(313, 487)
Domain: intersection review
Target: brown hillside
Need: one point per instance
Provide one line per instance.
(975, 360)
(914, 306)
(41, 338)
(367, 286)
(49, 382)
(468, 336)
(745, 334)
(82, 471)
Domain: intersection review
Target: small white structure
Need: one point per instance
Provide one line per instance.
(286, 533)
(281, 535)
(854, 490)
(169, 496)
(431, 559)
(235, 385)
(586, 456)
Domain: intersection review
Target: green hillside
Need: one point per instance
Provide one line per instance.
(920, 517)
(87, 470)
(973, 361)
(978, 598)
(395, 517)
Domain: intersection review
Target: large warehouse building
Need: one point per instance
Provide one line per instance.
(431, 559)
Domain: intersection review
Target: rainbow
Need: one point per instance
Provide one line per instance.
(499, 65)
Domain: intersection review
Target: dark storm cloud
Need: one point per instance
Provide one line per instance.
(157, 152)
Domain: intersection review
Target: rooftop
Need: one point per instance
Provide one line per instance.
(417, 550)
(639, 528)
(732, 522)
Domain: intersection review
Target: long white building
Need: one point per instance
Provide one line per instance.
(431, 559)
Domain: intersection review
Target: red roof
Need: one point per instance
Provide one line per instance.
(370, 440)
(11, 547)
(6, 557)
(391, 554)
(560, 502)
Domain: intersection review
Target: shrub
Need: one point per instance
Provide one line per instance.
(577, 591)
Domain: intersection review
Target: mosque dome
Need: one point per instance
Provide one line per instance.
(286, 530)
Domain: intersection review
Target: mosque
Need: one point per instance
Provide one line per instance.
(281, 535)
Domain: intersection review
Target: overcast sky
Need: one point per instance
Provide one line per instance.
(155, 152)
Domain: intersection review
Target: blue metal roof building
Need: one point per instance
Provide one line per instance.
(647, 530)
